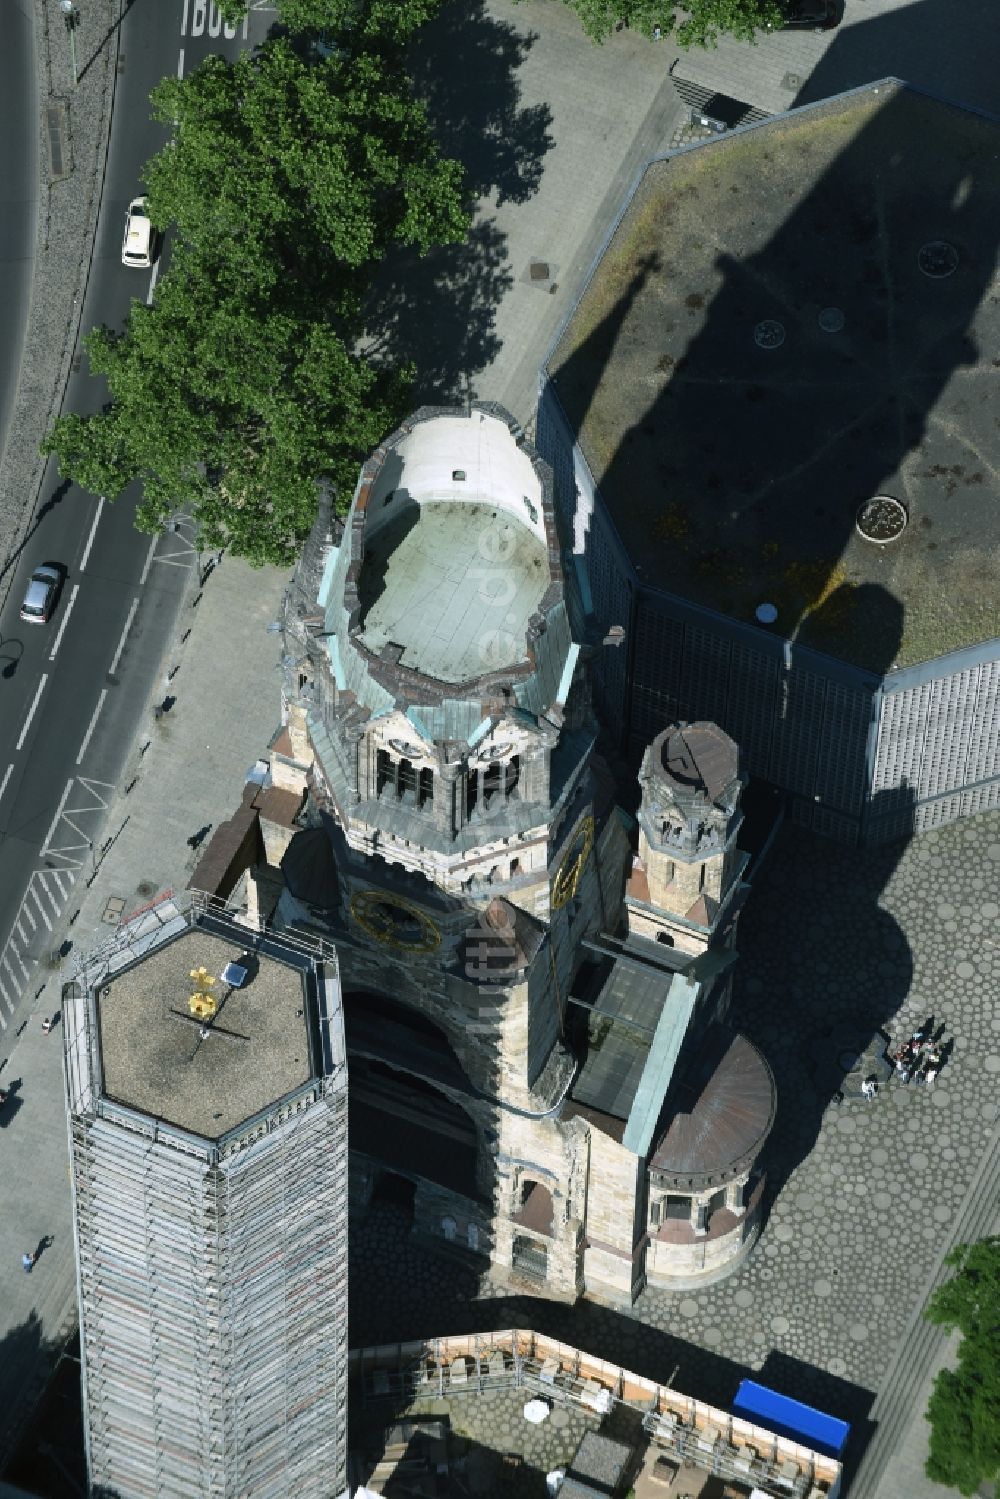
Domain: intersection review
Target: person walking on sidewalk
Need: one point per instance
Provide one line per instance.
(27, 1262)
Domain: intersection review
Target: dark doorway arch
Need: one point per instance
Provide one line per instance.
(409, 1126)
(401, 1036)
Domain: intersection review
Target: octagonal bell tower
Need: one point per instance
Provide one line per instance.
(688, 867)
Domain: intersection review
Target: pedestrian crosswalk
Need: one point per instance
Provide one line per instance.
(32, 934)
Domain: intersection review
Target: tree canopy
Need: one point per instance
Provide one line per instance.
(694, 23)
(290, 174)
(964, 1408)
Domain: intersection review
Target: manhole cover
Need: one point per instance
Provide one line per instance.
(769, 334)
(881, 519)
(831, 320)
(937, 259)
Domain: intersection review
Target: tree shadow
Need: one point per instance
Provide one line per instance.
(439, 311)
(464, 65)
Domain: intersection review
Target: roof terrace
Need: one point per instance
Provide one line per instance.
(208, 1076)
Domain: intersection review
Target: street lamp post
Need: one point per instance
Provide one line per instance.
(72, 18)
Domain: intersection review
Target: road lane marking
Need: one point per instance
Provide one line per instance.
(27, 913)
(180, 60)
(31, 712)
(93, 533)
(3, 783)
(152, 284)
(149, 559)
(59, 812)
(41, 910)
(121, 644)
(93, 726)
(12, 951)
(65, 619)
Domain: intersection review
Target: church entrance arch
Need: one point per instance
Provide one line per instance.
(378, 1025)
(409, 1127)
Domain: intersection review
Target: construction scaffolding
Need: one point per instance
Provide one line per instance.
(212, 1273)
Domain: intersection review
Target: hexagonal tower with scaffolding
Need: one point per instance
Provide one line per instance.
(207, 1091)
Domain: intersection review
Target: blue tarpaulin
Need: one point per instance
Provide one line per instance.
(790, 1418)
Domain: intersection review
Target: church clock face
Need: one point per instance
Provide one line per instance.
(571, 866)
(394, 921)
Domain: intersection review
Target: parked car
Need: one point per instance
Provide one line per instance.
(139, 244)
(41, 594)
(811, 15)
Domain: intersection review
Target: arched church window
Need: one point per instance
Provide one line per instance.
(406, 782)
(384, 771)
(513, 775)
(493, 782)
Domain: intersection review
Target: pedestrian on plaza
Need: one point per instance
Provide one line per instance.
(28, 1261)
(869, 1089)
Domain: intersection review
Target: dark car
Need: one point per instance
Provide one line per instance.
(811, 15)
(40, 595)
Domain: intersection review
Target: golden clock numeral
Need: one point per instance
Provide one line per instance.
(569, 873)
(372, 909)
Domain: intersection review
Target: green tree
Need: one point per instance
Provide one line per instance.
(694, 23)
(289, 176)
(964, 1408)
(391, 19)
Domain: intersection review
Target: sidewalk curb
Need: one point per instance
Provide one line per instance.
(68, 210)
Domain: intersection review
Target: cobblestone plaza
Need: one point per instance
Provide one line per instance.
(836, 945)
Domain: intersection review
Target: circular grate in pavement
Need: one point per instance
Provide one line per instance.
(769, 334)
(937, 259)
(881, 519)
(831, 320)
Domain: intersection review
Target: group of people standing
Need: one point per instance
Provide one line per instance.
(920, 1059)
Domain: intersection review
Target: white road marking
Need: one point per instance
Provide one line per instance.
(31, 712)
(180, 60)
(59, 812)
(41, 911)
(93, 533)
(152, 283)
(149, 558)
(13, 952)
(65, 619)
(27, 914)
(93, 725)
(3, 783)
(5, 963)
(121, 644)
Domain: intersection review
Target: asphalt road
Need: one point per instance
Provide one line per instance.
(18, 193)
(72, 692)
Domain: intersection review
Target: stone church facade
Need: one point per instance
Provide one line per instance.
(536, 983)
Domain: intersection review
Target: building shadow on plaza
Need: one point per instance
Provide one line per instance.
(946, 45)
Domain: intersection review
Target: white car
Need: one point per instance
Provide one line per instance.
(139, 244)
